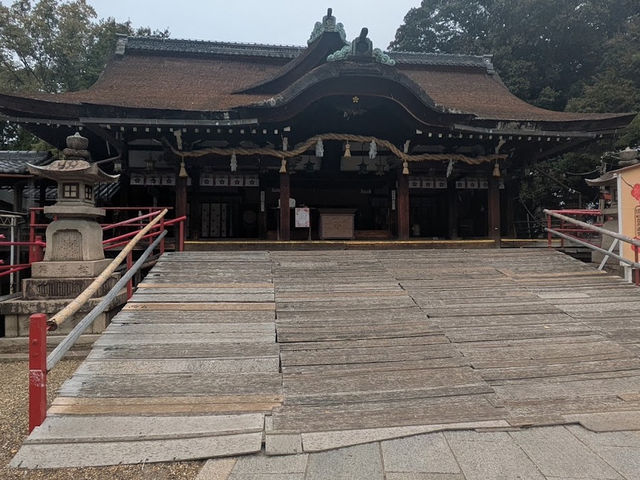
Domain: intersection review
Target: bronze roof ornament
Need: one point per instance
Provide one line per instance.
(327, 25)
(361, 49)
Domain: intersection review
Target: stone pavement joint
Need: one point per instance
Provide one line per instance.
(541, 453)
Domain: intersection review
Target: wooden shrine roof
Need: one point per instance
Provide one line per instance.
(198, 76)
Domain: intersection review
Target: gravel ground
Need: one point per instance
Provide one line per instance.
(14, 425)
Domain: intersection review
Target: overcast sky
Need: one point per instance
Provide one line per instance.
(287, 22)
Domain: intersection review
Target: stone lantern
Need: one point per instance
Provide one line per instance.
(74, 254)
(74, 239)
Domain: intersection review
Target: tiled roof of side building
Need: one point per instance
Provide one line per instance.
(15, 162)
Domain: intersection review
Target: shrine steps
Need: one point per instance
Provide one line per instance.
(301, 245)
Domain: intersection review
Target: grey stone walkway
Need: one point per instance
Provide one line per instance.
(553, 453)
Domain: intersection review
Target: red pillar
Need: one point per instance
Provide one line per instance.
(181, 196)
(181, 203)
(403, 206)
(37, 370)
(493, 209)
(285, 227)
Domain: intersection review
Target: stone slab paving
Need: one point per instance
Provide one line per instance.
(542, 453)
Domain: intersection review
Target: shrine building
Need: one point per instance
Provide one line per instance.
(366, 144)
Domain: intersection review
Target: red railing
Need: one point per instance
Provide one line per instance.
(39, 363)
(36, 244)
(36, 253)
(573, 231)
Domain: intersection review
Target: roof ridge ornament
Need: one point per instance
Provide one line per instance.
(361, 48)
(328, 24)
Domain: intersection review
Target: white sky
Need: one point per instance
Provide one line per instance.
(287, 22)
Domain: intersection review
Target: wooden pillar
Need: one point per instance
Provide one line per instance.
(403, 206)
(18, 188)
(452, 195)
(285, 227)
(493, 209)
(511, 194)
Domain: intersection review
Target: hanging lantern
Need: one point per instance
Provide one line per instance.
(283, 166)
(405, 168)
(319, 148)
(496, 169)
(347, 150)
(234, 162)
(373, 150)
(183, 170)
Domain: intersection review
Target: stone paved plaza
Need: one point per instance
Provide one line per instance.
(553, 453)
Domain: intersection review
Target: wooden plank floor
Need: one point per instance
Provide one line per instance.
(324, 341)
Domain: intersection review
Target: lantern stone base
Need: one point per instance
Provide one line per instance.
(50, 288)
(17, 313)
(69, 269)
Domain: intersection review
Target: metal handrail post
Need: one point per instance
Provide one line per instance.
(130, 282)
(162, 241)
(37, 370)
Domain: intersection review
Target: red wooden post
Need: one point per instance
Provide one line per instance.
(636, 271)
(38, 253)
(549, 241)
(181, 236)
(130, 282)
(562, 226)
(37, 370)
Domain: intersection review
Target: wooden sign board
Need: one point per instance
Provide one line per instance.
(137, 179)
(236, 180)
(168, 179)
(206, 180)
(303, 218)
(415, 182)
(441, 182)
(251, 181)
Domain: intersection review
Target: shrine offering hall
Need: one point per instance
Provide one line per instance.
(335, 140)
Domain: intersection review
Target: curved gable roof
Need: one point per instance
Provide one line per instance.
(199, 76)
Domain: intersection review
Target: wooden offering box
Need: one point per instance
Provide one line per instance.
(337, 223)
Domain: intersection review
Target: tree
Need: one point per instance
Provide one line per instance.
(580, 55)
(544, 50)
(53, 46)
